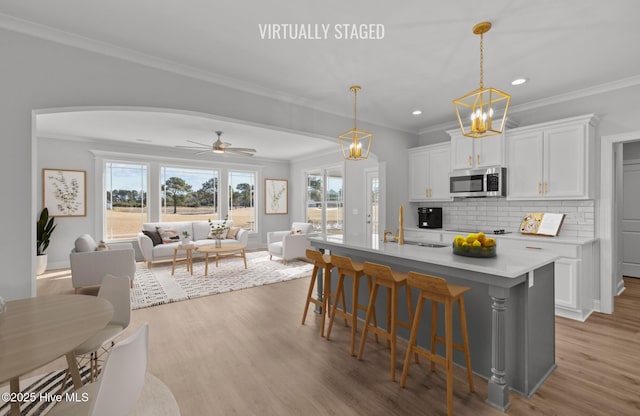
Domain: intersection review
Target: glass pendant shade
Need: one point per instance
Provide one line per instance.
(482, 112)
(355, 144)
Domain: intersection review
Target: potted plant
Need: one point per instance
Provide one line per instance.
(217, 230)
(185, 239)
(45, 226)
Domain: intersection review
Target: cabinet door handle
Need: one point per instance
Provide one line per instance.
(545, 187)
(478, 158)
(539, 187)
(470, 161)
(426, 192)
(534, 248)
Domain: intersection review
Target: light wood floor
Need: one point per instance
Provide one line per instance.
(245, 353)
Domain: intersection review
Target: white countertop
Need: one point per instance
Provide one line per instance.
(508, 263)
(517, 236)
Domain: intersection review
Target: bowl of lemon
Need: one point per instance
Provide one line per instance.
(474, 245)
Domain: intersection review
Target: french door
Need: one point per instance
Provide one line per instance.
(325, 200)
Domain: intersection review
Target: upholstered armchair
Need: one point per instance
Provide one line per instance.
(291, 244)
(91, 263)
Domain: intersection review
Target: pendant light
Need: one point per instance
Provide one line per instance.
(482, 112)
(355, 143)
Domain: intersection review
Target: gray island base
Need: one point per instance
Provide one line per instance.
(510, 308)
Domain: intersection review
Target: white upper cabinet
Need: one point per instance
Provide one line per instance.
(468, 153)
(429, 173)
(524, 169)
(552, 160)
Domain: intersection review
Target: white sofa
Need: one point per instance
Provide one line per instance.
(89, 265)
(198, 232)
(290, 244)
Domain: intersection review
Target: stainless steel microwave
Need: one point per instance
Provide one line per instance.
(477, 183)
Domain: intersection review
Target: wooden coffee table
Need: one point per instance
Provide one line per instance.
(226, 250)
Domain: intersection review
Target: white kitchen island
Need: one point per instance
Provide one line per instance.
(510, 308)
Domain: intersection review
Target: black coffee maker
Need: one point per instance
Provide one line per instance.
(429, 217)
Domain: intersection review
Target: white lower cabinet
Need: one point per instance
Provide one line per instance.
(574, 271)
(566, 282)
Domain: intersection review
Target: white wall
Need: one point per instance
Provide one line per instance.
(38, 74)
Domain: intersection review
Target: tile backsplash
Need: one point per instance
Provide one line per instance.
(498, 213)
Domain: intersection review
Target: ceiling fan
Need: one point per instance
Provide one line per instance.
(220, 147)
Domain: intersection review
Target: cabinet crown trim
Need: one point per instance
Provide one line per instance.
(590, 119)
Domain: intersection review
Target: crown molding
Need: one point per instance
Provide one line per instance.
(582, 93)
(104, 48)
(555, 99)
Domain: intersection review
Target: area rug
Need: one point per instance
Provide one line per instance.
(41, 393)
(156, 286)
(44, 392)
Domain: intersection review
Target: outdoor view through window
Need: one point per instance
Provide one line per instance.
(184, 194)
(325, 200)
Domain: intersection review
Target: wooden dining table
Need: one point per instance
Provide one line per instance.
(36, 331)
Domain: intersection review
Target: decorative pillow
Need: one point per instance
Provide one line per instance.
(233, 232)
(293, 231)
(85, 243)
(154, 236)
(102, 246)
(168, 235)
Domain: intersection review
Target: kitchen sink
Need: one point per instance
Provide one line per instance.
(422, 244)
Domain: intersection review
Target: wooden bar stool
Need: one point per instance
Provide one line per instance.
(321, 261)
(384, 276)
(437, 290)
(346, 267)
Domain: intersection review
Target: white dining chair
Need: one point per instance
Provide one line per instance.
(115, 289)
(120, 384)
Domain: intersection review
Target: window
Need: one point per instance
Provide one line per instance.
(189, 194)
(325, 200)
(126, 199)
(242, 206)
(177, 194)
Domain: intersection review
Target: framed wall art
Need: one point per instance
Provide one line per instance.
(276, 196)
(64, 192)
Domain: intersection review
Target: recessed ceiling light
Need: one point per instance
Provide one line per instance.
(416, 112)
(519, 81)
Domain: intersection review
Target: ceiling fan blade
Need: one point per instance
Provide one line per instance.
(240, 149)
(203, 152)
(193, 147)
(201, 144)
(237, 152)
(243, 154)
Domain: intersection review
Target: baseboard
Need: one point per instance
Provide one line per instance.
(56, 265)
(620, 287)
(575, 314)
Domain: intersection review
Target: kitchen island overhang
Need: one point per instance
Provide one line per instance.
(510, 308)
